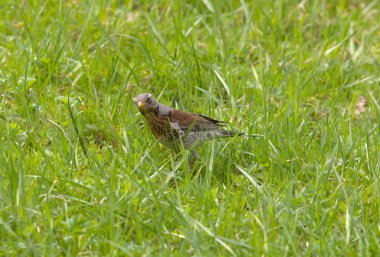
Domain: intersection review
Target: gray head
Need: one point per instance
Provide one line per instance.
(146, 103)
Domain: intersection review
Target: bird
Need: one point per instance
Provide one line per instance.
(174, 128)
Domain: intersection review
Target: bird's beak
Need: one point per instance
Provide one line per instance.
(140, 104)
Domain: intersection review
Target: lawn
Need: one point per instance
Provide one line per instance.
(82, 175)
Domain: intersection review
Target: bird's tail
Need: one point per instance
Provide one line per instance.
(229, 133)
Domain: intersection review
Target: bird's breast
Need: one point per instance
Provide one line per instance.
(161, 128)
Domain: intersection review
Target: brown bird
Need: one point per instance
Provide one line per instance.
(173, 127)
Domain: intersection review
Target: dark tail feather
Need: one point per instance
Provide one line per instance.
(227, 133)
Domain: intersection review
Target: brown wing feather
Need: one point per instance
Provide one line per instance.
(194, 122)
(211, 119)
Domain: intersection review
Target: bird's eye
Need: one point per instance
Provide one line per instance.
(149, 97)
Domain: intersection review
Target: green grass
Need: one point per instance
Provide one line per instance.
(81, 174)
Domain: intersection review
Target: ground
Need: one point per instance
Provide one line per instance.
(82, 175)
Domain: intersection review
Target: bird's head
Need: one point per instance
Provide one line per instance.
(146, 103)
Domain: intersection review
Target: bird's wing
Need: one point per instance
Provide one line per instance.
(218, 122)
(194, 122)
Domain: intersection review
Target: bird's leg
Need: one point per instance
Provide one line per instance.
(193, 157)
